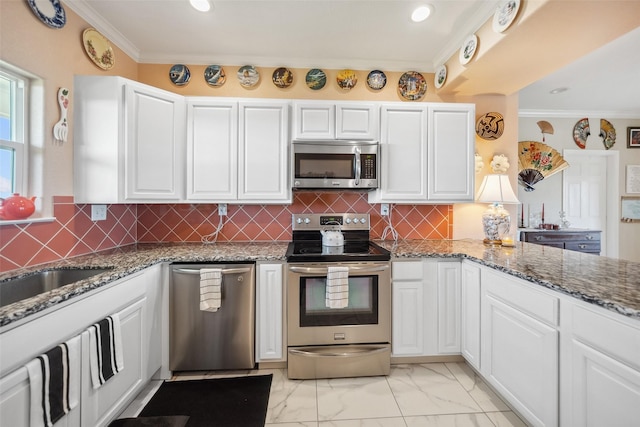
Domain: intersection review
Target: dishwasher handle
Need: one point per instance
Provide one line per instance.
(240, 270)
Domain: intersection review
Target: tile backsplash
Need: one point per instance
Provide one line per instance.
(72, 233)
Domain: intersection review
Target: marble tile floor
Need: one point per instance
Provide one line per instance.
(429, 395)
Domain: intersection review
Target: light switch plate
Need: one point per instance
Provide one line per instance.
(98, 212)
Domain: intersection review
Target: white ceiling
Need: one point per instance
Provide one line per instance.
(359, 34)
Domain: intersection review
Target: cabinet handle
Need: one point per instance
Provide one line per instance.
(582, 246)
(589, 237)
(538, 238)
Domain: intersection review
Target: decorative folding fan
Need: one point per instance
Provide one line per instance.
(607, 133)
(537, 161)
(581, 132)
(545, 127)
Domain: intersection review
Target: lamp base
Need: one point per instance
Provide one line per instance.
(496, 223)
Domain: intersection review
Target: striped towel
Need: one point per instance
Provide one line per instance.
(105, 350)
(210, 289)
(54, 379)
(337, 290)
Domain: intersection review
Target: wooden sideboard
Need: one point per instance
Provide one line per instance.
(574, 240)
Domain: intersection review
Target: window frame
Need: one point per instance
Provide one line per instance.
(19, 105)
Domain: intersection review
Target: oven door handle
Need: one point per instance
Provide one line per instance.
(323, 270)
(367, 351)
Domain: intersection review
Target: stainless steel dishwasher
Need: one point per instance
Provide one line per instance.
(202, 340)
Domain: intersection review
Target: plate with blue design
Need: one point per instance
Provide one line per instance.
(179, 75)
(50, 12)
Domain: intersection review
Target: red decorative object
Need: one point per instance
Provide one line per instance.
(17, 207)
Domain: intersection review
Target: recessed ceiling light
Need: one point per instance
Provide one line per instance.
(558, 90)
(200, 5)
(421, 13)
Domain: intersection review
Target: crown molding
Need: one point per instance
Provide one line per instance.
(86, 12)
(580, 113)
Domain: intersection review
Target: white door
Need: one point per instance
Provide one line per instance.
(590, 194)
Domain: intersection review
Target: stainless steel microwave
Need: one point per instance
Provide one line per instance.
(335, 164)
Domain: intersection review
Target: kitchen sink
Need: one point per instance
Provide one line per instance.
(15, 290)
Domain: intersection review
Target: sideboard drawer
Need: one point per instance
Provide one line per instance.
(574, 240)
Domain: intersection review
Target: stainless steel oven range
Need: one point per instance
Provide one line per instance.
(354, 339)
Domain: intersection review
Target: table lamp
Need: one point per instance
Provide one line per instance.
(496, 221)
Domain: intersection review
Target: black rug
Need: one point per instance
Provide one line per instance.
(240, 401)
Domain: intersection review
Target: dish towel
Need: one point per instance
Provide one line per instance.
(210, 289)
(54, 379)
(105, 350)
(337, 291)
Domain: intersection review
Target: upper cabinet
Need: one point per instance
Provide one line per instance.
(237, 151)
(128, 142)
(335, 120)
(427, 152)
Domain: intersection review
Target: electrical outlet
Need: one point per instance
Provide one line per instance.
(384, 209)
(98, 212)
(222, 209)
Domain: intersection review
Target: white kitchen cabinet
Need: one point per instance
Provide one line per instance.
(212, 149)
(470, 313)
(451, 153)
(427, 152)
(407, 296)
(128, 142)
(520, 339)
(425, 307)
(237, 151)
(335, 120)
(263, 166)
(448, 307)
(156, 311)
(270, 333)
(600, 367)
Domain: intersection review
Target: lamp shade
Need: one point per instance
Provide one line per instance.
(495, 188)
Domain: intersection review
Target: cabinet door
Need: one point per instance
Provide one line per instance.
(403, 145)
(100, 406)
(600, 368)
(470, 314)
(448, 307)
(156, 312)
(520, 359)
(154, 146)
(269, 316)
(357, 121)
(407, 333)
(263, 152)
(212, 150)
(451, 152)
(314, 120)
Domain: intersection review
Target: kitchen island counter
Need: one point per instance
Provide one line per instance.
(610, 283)
(607, 282)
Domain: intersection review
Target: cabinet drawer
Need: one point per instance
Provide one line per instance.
(583, 246)
(521, 296)
(411, 270)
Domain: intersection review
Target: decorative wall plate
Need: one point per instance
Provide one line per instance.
(50, 12)
(607, 133)
(581, 132)
(440, 76)
(490, 126)
(468, 49)
(98, 49)
(412, 86)
(316, 79)
(376, 80)
(347, 79)
(214, 75)
(179, 75)
(505, 14)
(282, 77)
(248, 76)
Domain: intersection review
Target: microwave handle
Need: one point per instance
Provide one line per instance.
(358, 166)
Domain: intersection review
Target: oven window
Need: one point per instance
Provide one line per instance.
(362, 308)
(337, 166)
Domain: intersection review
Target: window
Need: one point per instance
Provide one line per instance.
(13, 125)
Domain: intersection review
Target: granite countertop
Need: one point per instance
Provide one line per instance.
(611, 283)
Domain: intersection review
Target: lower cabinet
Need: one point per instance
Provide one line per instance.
(520, 346)
(600, 368)
(270, 332)
(425, 307)
(470, 313)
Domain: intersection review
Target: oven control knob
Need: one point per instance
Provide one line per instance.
(363, 220)
(299, 220)
(307, 220)
(348, 220)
